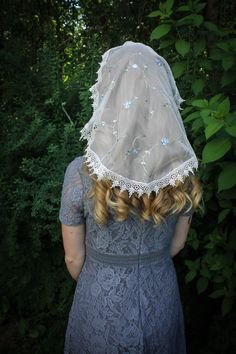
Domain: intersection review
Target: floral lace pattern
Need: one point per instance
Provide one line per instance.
(117, 308)
(136, 136)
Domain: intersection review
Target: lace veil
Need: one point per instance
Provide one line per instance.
(136, 137)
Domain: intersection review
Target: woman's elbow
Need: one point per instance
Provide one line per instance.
(175, 250)
(79, 258)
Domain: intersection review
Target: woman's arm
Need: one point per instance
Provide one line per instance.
(180, 234)
(74, 247)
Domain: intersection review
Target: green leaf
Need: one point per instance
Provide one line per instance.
(223, 45)
(231, 130)
(160, 31)
(230, 119)
(186, 20)
(186, 110)
(227, 305)
(217, 265)
(191, 117)
(190, 276)
(217, 293)
(199, 7)
(197, 20)
(215, 149)
(224, 107)
(155, 14)
(227, 177)
(227, 272)
(228, 62)
(223, 215)
(182, 47)
(211, 129)
(225, 203)
(183, 8)
(169, 4)
(200, 103)
(202, 284)
(204, 113)
(199, 46)
(210, 26)
(197, 125)
(166, 43)
(165, 9)
(197, 86)
(178, 69)
(195, 244)
(214, 99)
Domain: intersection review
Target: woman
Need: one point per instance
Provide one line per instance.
(126, 208)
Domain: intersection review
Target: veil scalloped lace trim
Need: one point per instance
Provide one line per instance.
(177, 174)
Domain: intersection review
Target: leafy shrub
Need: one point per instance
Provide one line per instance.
(202, 56)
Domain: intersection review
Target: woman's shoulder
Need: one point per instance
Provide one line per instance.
(74, 167)
(76, 162)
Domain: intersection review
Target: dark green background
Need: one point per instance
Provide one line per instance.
(50, 52)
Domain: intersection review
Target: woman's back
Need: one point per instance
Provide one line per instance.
(127, 297)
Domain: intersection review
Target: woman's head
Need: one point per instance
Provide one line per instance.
(136, 137)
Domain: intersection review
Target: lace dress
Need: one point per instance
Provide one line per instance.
(127, 297)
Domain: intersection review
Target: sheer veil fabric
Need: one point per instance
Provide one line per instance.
(136, 137)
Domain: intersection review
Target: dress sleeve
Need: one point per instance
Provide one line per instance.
(72, 209)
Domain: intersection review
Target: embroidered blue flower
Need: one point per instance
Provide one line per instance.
(126, 104)
(159, 62)
(165, 141)
(135, 151)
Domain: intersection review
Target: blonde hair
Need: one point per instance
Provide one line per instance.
(169, 200)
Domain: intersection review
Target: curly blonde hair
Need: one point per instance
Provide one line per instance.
(169, 200)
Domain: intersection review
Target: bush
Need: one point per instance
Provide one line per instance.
(202, 55)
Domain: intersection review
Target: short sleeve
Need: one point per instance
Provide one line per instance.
(71, 208)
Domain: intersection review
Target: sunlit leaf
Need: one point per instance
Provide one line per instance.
(182, 47)
(215, 149)
(160, 31)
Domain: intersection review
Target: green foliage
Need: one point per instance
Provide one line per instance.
(50, 53)
(202, 55)
(44, 104)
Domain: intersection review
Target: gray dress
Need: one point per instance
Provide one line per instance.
(127, 297)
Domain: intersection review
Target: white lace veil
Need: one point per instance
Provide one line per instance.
(136, 137)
